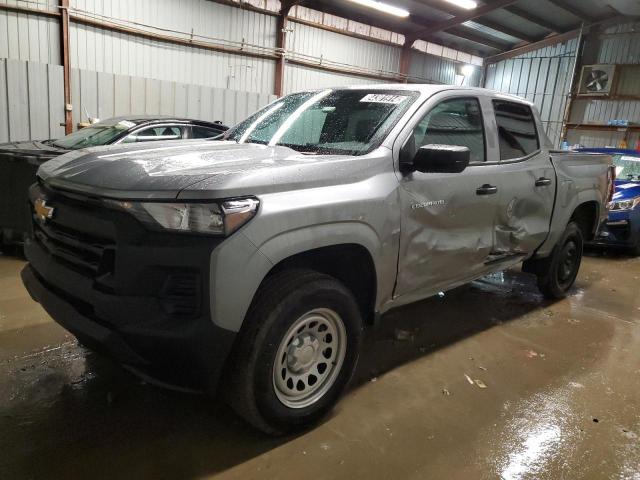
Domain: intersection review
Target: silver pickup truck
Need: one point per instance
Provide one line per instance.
(251, 264)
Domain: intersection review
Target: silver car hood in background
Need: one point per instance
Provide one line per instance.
(198, 169)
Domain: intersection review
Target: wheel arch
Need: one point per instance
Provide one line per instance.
(348, 251)
(350, 263)
(586, 217)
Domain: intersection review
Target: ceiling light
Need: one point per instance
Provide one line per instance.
(468, 4)
(384, 7)
(467, 70)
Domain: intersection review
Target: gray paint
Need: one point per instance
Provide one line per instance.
(311, 201)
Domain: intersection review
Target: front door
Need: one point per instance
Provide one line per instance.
(447, 218)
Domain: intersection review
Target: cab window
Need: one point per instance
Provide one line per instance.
(457, 121)
(516, 129)
(151, 134)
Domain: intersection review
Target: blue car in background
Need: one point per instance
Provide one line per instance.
(622, 228)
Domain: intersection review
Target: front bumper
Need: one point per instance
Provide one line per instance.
(622, 229)
(142, 300)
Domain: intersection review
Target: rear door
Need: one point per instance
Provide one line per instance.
(447, 219)
(526, 181)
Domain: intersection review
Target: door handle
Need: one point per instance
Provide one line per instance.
(486, 189)
(543, 182)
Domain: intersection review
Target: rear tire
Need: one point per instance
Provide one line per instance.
(557, 274)
(296, 352)
(635, 251)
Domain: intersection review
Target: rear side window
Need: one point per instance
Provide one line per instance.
(516, 129)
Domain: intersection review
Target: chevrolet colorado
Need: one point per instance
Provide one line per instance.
(250, 265)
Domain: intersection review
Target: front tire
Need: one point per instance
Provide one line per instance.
(559, 272)
(295, 353)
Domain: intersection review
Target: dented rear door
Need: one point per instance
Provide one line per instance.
(526, 183)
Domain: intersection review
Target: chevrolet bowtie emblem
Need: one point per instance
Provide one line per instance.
(42, 210)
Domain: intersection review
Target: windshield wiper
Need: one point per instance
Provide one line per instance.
(310, 149)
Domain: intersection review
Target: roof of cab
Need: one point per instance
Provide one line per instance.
(430, 89)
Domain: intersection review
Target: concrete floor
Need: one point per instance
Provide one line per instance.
(562, 396)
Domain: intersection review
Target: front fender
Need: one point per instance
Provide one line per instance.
(238, 266)
(363, 213)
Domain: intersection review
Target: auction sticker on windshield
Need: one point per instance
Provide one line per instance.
(383, 98)
(125, 124)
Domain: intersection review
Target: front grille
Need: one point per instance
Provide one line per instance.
(70, 237)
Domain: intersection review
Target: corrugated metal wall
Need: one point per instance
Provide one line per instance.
(542, 77)
(115, 72)
(306, 42)
(33, 107)
(619, 44)
(27, 36)
(102, 50)
(105, 95)
(425, 68)
(299, 77)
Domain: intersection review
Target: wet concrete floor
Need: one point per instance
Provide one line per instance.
(489, 381)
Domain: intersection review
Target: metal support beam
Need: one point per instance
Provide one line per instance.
(281, 25)
(530, 47)
(533, 19)
(352, 11)
(561, 4)
(405, 59)
(577, 62)
(66, 65)
(553, 39)
(281, 45)
(506, 30)
(445, 7)
(472, 35)
(458, 19)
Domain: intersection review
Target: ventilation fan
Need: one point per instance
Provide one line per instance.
(596, 79)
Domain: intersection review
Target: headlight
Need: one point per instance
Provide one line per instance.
(624, 204)
(222, 218)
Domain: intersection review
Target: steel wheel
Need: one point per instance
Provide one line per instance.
(309, 358)
(568, 262)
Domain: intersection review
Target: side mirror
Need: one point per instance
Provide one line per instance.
(440, 159)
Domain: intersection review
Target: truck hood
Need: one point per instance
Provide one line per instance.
(626, 189)
(196, 169)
